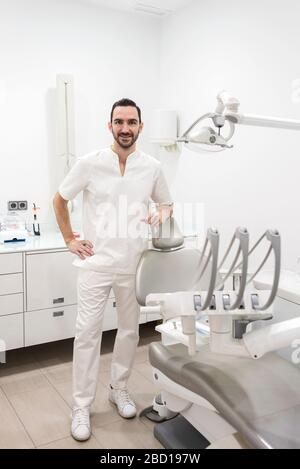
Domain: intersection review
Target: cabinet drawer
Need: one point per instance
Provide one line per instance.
(10, 284)
(49, 325)
(11, 263)
(11, 304)
(11, 331)
(51, 280)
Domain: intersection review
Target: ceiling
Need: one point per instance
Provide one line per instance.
(152, 7)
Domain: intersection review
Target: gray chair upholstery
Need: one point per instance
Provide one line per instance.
(259, 398)
(170, 267)
(166, 272)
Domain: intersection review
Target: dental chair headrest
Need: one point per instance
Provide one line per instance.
(167, 236)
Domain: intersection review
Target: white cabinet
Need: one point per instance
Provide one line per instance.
(11, 331)
(11, 263)
(11, 283)
(51, 288)
(38, 298)
(48, 325)
(50, 279)
(11, 301)
(11, 304)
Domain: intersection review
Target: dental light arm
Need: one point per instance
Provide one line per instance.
(227, 111)
(264, 121)
(228, 107)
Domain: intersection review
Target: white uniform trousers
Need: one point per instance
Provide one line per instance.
(93, 290)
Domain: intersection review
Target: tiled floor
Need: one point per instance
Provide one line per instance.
(35, 398)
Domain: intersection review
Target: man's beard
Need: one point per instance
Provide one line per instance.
(125, 144)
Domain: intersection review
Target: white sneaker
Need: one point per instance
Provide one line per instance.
(81, 427)
(126, 406)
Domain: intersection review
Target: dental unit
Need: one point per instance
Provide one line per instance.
(225, 308)
(217, 369)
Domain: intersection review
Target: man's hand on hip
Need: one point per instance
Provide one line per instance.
(82, 248)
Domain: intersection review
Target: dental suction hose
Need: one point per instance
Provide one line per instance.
(273, 237)
(242, 236)
(212, 239)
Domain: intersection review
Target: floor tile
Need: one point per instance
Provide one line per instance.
(10, 370)
(105, 361)
(141, 354)
(145, 369)
(70, 443)
(64, 389)
(44, 414)
(103, 411)
(58, 373)
(36, 397)
(148, 423)
(126, 434)
(12, 432)
(23, 381)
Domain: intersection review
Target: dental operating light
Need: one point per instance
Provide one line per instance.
(209, 138)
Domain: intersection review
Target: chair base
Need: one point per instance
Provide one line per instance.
(178, 433)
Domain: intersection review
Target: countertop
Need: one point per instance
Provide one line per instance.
(48, 240)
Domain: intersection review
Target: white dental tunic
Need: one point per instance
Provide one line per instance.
(114, 205)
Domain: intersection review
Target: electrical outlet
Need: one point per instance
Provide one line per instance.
(23, 205)
(14, 205)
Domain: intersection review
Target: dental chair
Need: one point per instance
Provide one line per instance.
(223, 385)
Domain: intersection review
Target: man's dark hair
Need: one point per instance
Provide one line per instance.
(125, 102)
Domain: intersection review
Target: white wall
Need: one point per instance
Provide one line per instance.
(252, 49)
(110, 54)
